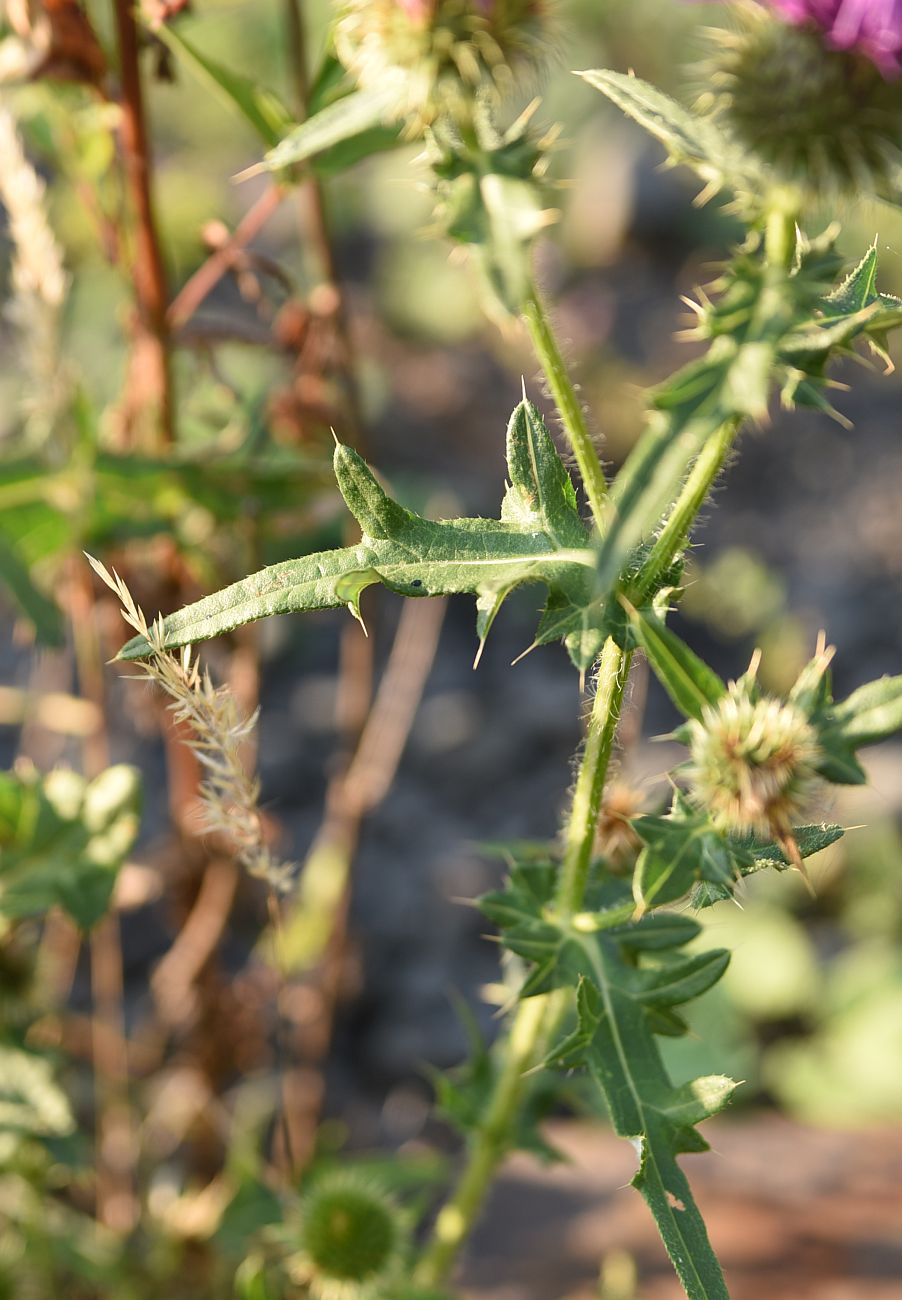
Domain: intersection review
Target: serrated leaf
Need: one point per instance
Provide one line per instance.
(645, 1107)
(809, 840)
(542, 540)
(680, 850)
(692, 139)
(621, 1001)
(680, 982)
(750, 856)
(688, 680)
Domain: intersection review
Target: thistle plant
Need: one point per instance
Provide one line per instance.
(803, 105)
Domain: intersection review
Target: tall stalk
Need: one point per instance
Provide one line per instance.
(537, 1018)
(151, 362)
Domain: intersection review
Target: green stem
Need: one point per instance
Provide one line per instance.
(523, 1050)
(675, 532)
(579, 834)
(568, 404)
(779, 247)
(536, 1018)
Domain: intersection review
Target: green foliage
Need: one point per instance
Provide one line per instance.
(340, 134)
(491, 199)
(538, 539)
(31, 1102)
(692, 139)
(63, 840)
(630, 977)
(256, 104)
(103, 498)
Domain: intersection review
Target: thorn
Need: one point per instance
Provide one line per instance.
(249, 172)
(476, 661)
(334, 435)
(523, 387)
(529, 649)
(356, 614)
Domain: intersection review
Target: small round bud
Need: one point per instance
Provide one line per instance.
(821, 118)
(350, 1236)
(436, 54)
(752, 762)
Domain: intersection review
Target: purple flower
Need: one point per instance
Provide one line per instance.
(872, 27)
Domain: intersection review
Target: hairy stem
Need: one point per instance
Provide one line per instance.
(536, 1018)
(571, 410)
(579, 833)
(684, 512)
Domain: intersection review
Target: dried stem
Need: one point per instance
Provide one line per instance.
(205, 279)
(317, 920)
(117, 1207)
(151, 366)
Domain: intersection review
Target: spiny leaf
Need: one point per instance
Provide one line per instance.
(694, 140)
(688, 680)
(539, 539)
(629, 977)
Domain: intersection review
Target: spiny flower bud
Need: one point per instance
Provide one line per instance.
(436, 54)
(872, 27)
(351, 1237)
(752, 762)
(820, 117)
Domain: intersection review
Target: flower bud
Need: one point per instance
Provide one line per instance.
(814, 106)
(350, 1236)
(752, 761)
(437, 54)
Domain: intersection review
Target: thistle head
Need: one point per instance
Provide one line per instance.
(437, 55)
(810, 97)
(752, 762)
(351, 1237)
(869, 27)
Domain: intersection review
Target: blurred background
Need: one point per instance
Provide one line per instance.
(340, 309)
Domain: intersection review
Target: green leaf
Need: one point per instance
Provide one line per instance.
(539, 539)
(256, 104)
(750, 856)
(338, 124)
(688, 680)
(63, 840)
(870, 714)
(681, 849)
(31, 1101)
(694, 140)
(629, 979)
(43, 613)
